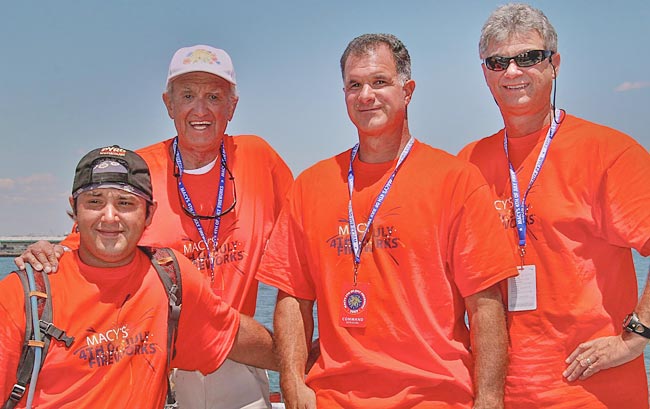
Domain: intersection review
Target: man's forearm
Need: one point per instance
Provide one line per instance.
(254, 345)
(293, 327)
(489, 340)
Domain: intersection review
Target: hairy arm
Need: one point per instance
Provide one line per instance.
(253, 345)
(489, 341)
(294, 326)
(602, 353)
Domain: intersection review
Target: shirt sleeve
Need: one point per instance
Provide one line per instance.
(12, 331)
(207, 326)
(284, 263)
(624, 213)
(480, 252)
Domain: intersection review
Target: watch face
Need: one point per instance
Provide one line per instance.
(631, 323)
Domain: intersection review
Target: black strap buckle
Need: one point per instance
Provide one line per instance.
(17, 392)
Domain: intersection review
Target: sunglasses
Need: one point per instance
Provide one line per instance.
(215, 215)
(525, 59)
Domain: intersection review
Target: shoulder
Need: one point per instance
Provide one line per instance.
(483, 148)
(250, 143)
(440, 162)
(595, 141)
(156, 154)
(332, 167)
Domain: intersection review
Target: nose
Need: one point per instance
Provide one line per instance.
(367, 94)
(110, 213)
(200, 106)
(513, 69)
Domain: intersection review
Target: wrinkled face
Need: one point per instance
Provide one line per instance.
(110, 223)
(517, 90)
(375, 98)
(201, 105)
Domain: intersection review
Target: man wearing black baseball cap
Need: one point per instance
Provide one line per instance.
(108, 297)
(218, 197)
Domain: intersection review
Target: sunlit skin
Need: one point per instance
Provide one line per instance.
(376, 101)
(110, 223)
(523, 94)
(201, 105)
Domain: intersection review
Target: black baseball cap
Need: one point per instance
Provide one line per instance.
(113, 167)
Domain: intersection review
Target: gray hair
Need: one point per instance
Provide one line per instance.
(516, 18)
(367, 43)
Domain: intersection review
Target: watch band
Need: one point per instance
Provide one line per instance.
(632, 324)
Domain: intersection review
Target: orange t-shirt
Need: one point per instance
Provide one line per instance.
(431, 244)
(118, 317)
(588, 207)
(262, 180)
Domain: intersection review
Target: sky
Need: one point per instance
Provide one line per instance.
(77, 75)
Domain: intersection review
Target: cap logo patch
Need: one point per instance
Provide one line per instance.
(109, 166)
(113, 151)
(201, 56)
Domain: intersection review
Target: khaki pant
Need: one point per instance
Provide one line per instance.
(232, 386)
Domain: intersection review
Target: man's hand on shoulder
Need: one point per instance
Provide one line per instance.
(42, 256)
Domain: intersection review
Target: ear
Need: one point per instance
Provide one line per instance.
(233, 105)
(555, 59)
(168, 104)
(73, 213)
(152, 209)
(409, 87)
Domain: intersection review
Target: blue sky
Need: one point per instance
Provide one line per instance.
(77, 75)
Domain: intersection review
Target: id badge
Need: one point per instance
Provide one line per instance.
(522, 290)
(354, 303)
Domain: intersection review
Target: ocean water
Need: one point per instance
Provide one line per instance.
(266, 302)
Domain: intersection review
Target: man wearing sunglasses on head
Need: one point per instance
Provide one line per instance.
(218, 197)
(574, 196)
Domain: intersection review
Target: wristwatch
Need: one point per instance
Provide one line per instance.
(631, 323)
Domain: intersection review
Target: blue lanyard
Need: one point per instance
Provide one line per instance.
(354, 236)
(190, 206)
(519, 204)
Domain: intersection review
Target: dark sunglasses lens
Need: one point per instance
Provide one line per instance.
(529, 58)
(497, 63)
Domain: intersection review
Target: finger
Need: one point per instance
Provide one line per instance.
(573, 371)
(44, 258)
(28, 258)
(53, 258)
(576, 368)
(589, 371)
(20, 264)
(577, 353)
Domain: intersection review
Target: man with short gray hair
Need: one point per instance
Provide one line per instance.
(573, 196)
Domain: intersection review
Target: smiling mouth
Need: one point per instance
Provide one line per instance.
(200, 125)
(368, 109)
(515, 87)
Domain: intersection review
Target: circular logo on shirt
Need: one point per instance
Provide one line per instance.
(354, 301)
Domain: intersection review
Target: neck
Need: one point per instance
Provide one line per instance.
(382, 148)
(195, 157)
(522, 125)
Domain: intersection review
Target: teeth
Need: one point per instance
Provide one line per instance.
(516, 86)
(200, 124)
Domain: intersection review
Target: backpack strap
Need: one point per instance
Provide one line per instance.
(166, 265)
(28, 354)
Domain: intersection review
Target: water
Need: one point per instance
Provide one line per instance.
(266, 302)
